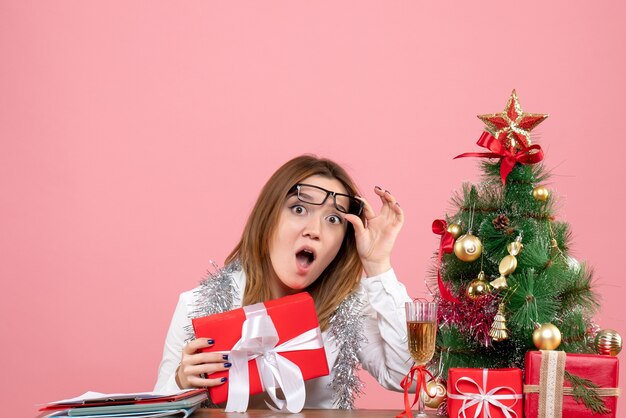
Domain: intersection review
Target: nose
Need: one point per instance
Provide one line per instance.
(312, 228)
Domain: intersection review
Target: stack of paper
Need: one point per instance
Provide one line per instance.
(137, 405)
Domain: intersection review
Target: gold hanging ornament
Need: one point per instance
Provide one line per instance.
(508, 264)
(499, 331)
(608, 342)
(436, 389)
(547, 337)
(541, 193)
(468, 247)
(478, 287)
(454, 230)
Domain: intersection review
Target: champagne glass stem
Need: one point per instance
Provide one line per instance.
(420, 404)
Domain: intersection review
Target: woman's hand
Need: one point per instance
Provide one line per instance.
(194, 364)
(375, 238)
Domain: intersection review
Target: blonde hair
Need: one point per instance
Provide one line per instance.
(341, 276)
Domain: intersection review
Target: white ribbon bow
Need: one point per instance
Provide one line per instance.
(483, 398)
(258, 341)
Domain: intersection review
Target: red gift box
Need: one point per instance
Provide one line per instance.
(292, 316)
(491, 393)
(542, 398)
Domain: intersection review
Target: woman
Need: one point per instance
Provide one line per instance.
(308, 231)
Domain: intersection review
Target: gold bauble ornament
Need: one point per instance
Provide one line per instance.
(454, 230)
(478, 287)
(541, 193)
(507, 265)
(547, 337)
(438, 390)
(608, 342)
(468, 247)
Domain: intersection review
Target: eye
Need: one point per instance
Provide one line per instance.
(335, 220)
(298, 210)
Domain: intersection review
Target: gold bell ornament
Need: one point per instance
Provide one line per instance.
(436, 389)
(508, 264)
(547, 337)
(541, 193)
(608, 342)
(499, 331)
(478, 287)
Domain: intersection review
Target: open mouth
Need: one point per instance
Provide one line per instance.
(305, 257)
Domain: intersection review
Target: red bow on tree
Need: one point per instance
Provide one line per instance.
(445, 246)
(527, 155)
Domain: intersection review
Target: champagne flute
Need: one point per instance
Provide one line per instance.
(421, 323)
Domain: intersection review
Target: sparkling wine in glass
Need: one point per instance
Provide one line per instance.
(421, 323)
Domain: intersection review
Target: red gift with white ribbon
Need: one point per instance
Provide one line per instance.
(487, 393)
(271, 345)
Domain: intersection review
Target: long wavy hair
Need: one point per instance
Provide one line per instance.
(342, 275)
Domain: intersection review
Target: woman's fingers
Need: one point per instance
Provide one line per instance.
(199, 358)
(208, 368)
(201, 382)
(368, 211)
(197, 344)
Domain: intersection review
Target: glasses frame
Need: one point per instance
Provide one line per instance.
(334, 195)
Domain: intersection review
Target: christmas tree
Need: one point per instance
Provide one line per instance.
(504, 275)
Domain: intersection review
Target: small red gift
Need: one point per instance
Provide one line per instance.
(492, 393)
(552, 375)
(271, 345)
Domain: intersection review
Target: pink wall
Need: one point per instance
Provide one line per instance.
(135, 137)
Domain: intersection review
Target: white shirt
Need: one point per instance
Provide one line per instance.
(384, 354)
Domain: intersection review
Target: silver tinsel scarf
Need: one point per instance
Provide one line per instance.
(217, 293)
(346, 329)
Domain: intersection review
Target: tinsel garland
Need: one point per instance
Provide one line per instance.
(346, 329)
(217, 293)
(475, 317)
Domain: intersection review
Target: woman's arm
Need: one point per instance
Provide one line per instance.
(385, 353)
(174, 343)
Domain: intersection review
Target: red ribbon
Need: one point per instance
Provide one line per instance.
(527, 155)
(445, 246)
(421, 384)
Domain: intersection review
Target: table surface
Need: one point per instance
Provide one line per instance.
(306, 413)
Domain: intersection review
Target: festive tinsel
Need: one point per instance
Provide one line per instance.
(346, 329)
(217, 293)
(474, 316)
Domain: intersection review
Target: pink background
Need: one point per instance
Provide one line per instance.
(135, 137)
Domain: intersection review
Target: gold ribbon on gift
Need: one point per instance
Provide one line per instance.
(550, 388)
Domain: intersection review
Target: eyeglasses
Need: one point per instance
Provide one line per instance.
(315, 195)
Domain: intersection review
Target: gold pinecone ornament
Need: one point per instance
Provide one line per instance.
(499, 331)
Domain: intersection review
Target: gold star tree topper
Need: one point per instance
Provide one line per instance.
(512, 127)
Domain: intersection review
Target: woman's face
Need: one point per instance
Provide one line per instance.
(308, 236)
